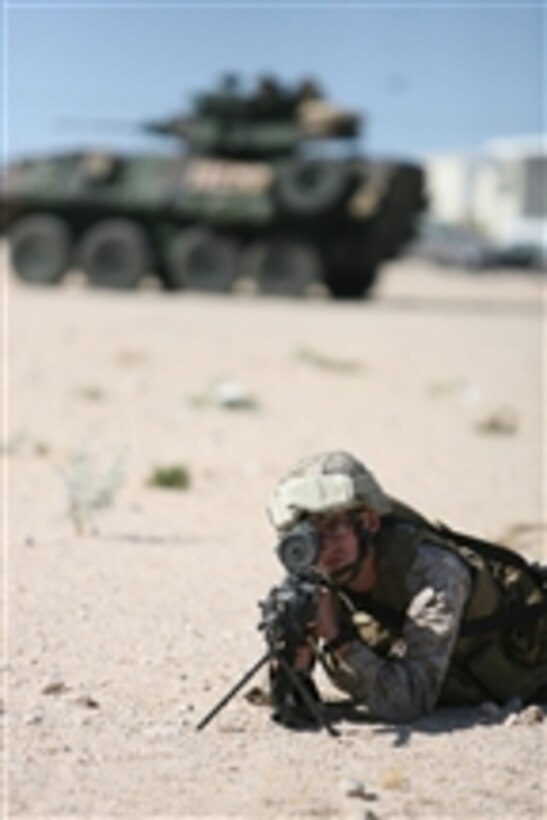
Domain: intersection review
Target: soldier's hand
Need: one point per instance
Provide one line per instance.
(304, 658)
(325, 625)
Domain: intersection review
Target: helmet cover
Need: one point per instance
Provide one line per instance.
(325, 482)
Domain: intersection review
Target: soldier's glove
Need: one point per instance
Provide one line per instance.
(288, 706)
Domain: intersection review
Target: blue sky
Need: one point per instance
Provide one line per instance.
(431, 77)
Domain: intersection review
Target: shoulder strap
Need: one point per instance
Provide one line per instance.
(487, 550)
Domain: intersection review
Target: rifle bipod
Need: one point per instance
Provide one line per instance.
(313, 706)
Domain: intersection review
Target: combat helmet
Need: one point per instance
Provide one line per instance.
(323, 482)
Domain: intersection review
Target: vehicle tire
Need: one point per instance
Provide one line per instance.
(115, 254)
(400, 211)
(352, 283)
(309, 188)
(200, 260)
(282, 267)
(40, 249)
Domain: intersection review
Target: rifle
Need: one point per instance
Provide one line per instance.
(287, 613)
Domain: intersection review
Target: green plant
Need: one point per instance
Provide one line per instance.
(326, 362)
(172, 477)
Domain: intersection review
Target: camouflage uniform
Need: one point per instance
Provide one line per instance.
(406, 682)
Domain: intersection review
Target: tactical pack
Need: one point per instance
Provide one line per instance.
(501, 650)
(501, 654)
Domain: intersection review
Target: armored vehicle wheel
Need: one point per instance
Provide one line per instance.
(115, 254)
(201, 260)
(40, 249)
(282, 267)
(311, 187)
(351, 283)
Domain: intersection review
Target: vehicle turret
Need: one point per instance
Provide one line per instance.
(270, 120)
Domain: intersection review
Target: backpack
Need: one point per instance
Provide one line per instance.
(504, 654)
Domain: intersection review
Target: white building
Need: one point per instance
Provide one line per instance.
(499, 190)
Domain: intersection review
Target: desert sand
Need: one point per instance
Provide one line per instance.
(123, 625)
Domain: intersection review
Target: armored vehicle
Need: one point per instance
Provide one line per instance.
(268, 187)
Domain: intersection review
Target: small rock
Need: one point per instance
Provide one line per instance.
(33, 718)
(353, 788)
(532, 714)
(233, 728)
(55, 687)
(87, 701)
(501, 422)
(527, 717)
(258, 696)
(232, 394)
(144, 660)
(394, 779)
(184, 709)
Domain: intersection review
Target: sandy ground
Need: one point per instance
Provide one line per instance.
(121, 636)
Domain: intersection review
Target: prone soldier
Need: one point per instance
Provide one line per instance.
(407, 614)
